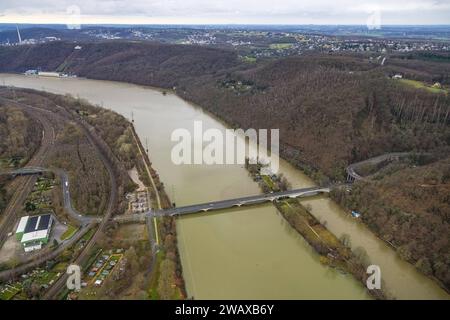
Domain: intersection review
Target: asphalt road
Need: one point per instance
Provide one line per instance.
(224, 204)
(26, 183)
(112, 201)
(351, 169)
(86, 222)
(77, 216)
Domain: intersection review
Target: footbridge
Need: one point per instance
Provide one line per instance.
(24, 171)
(82, 219)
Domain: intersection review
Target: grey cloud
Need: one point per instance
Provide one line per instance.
(269, 11)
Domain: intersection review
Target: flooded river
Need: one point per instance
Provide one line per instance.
(249, 253)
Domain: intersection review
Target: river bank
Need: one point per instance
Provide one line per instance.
(208, 243)
(292, 155)
(332, 251)
(169, 233)
(119, 144)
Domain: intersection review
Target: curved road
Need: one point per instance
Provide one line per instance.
(20, 195)
(112, 201)
(88, 222)
(176, 211)
(82, 219)
(352, 175)
(10, 214)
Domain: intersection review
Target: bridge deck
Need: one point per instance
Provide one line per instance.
(196, 208)
(226, 204)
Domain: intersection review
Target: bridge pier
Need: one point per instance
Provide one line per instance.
(244, 201)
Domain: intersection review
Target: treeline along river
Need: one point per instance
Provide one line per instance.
(245, 253)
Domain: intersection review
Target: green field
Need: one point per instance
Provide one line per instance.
(268, 181)
(153, 291)
(8, 163)
(7, 292)
(44, 184)
(88, 235)
(280, 46)
(45, 277)
(41, 277)
(420, 85)
(69, 232)
(248, 59)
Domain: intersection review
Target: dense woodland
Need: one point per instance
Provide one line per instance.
(331, 110)
(408, 205)
(112, 133)
(19, 139)
(143, 63)
(328, 115)
(74, 152)
(19, 134)
(427, 66)
(88, 177)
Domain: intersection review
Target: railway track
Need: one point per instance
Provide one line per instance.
(61, 281)
(26, 183)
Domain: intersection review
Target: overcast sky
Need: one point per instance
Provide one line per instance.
(226, 11)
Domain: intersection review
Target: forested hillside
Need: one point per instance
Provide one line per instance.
(72, 150)
(142, 63)
(19, 134)
(426, 66)
(331, 110)
(19, 138)
(408, 205)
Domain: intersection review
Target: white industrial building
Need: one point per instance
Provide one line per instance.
(49, 74)
(34, 231)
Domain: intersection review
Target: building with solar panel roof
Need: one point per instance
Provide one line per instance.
(34, 231)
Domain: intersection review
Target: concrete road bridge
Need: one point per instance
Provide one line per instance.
(351, 170)
(177, 211)
(226, 204)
